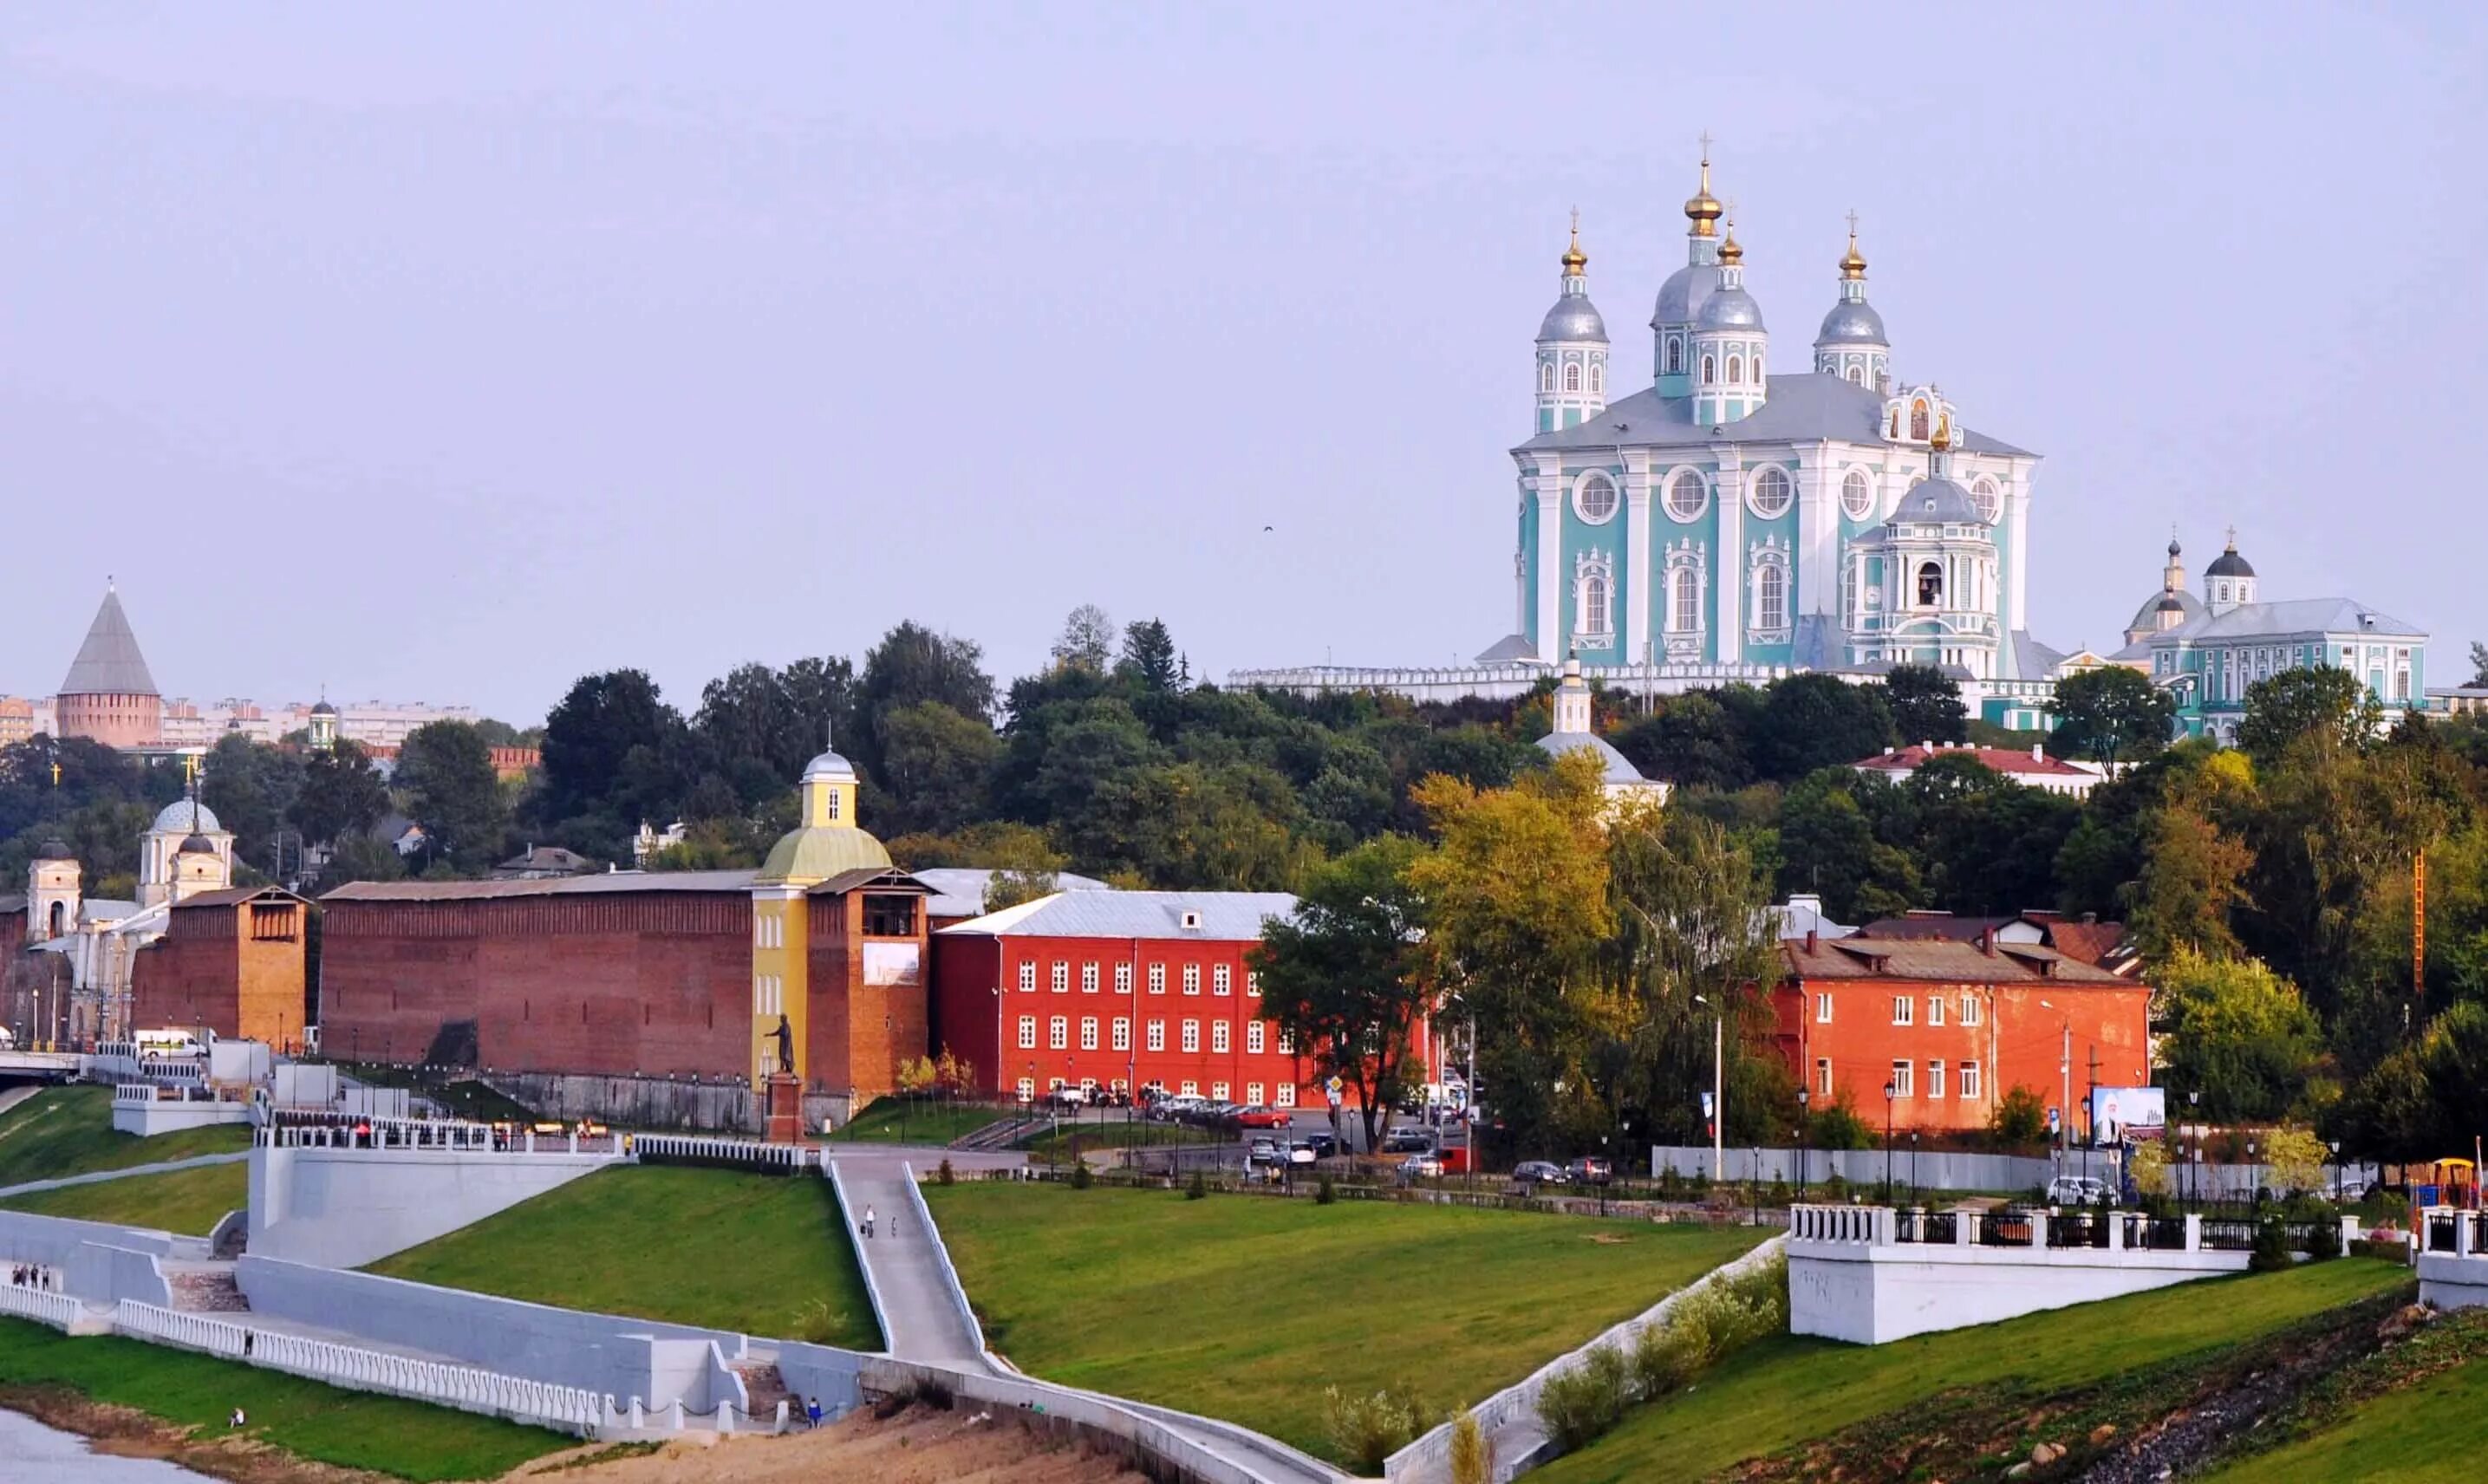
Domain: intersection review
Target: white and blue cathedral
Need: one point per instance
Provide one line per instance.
(1735, 521)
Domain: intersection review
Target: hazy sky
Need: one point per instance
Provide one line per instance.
(455, 352)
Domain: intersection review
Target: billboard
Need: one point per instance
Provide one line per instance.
(892, 964)
(2121, 1113)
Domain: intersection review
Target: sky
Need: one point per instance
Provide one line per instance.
(452, 352)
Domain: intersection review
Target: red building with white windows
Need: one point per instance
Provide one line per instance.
(1110, 990)
(1952, 1026)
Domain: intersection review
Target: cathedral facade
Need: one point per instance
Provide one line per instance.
(1751, 510)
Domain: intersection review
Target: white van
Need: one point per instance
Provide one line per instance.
(154, 1045)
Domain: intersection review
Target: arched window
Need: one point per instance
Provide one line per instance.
(1593, 615)
(1918, 419)
(1856, 374)
(1896, 423)
(1675, 357)
(1736, 371)
(1709, 370)
(60, 918)
(1684, 600)
(1772, 492)
(1857, 495)
(1572, 377)
(1686, 494)
(1594, 497)
(1597, 379)
(1758, 367)
(1770, 596)
(1930, 584)
(1546, 376)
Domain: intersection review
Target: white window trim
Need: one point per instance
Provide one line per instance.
(1934, 1079)
(1221, 1040)
(1935, 1009)
(1256, 1037)
(1122, 1032)
(1087, 1033)
(1905, 1078)
(1905, 1010)
(1858, 471)
(1667, 495)
(1192, 1037)
(1581, 487)
(1157, 1036)
(1966, 1080)
(1754, 492)
(1191, 979)
(1028, 1033)
(1823, 1007)
(1222, 979)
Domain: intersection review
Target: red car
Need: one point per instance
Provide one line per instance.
(1259, 1117)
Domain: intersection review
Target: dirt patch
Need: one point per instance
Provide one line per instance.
(917, 1445)
(125, 1432)
(1609, 1239)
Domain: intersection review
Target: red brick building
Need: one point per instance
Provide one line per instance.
(235, 961)
(1952, 1026)
(1117, 990)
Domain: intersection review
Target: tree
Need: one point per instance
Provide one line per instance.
(2478, 664)
(2315, 701)
(1926, 705)
(759, 727)
(2190, 883)
(1345, 977)
(912, 663)
(1829, 846)
(935, 766)
(1816, 721)
(1692, 742)
(446, 772)
(2237, 1033)
(2111, 715)
(1087, 642)
(2020, 1121)
(1149, 659)
(250, 785)
(342, 795)
(613, 747)
(2293, 1160)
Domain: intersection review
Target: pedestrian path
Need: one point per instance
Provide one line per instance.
(94, 1177)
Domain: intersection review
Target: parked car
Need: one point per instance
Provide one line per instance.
(2077, 1190)
(1323, 1145)
(1266, 1151)
(1407, 1141)
(1257, 1116)
(1300, 1151)
(1421, 1166)
(1590, 1169)
(1539, 1172)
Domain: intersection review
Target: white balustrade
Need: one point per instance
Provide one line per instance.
(58, 1310)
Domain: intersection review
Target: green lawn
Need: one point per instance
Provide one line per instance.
(1057, 1144)
(1246, 1307)
(895, 1121)
(2427, 1432)
(67, 1131)
(189, 1202)
(1790, 1390)
(759, 1253)
(351, 1429)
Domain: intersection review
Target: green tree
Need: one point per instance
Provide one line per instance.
(445, 771)
(1816, 720)
(1086, 641)
(250, 785)
(1345, 977)
(1987, 844)
(1148, 659)
(1829, 845)
(1693, 740)
(1926, 705)
(2318, 700)
(2111, 715)
(936, 765)
(2478, 664)
(757, 727)
(2235, 1032)
(912, 663)
(342, 795)
(2191, 884)
(614, 748)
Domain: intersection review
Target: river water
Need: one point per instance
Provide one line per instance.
(35, 1454)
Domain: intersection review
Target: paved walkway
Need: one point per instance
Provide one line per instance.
(97, 1176)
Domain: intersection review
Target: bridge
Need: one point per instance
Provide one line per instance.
(46, 1066)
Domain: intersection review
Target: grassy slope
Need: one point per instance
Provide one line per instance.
(2430, 1432)
(888, 1119)
(352, 1429)
(757, 1254)
(1790, 1390)
(1245, 1308)
(67, 1131)
(189, 1201)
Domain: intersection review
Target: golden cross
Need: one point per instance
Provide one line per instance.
(190, 766)
(56, 775)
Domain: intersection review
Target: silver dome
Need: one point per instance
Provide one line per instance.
(1573, 318)
(1938, 502)
(2148, 615)
(1852, 323)
(1729, 309)
(176, 818)
(1681, 297)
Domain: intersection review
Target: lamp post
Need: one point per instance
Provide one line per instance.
(1803, 1096)
(1892, 1090)
(2194, 1132)
(1602, 1184)
(2332, 1175)
(1718, 1089)
(2065, 1069)
(1913, 1166)
(2254, 1180)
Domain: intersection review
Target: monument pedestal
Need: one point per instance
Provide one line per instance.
(784, 1102)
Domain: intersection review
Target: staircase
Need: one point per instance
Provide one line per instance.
(1001, 1134)
(205, 1290)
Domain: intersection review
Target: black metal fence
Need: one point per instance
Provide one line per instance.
(2077, 1229)
(2221, 1234)
(1935, 1228)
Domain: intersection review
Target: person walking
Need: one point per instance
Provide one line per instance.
(867, 1223)
(812, 1411)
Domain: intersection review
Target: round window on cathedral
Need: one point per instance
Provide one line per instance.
(1773, 494)
(1595, 498)
(1688, 495)
(1991, 504)
(1857, 495)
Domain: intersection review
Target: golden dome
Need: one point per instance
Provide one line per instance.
(1853, 262)
(1942, 439)
(1702, 207)
(1729, 254)
(1576, 261)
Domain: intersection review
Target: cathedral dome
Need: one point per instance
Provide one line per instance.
(1936, 502)
(176, 818)
(197, 845)
(1573, 318)
(1853, 322)
(829, 766)
(1613, 767)
(1681, 297)
(819, 853)
(2228, 564)
(2147, 617)
(1729, 309)
(322, 708)
(56, 850)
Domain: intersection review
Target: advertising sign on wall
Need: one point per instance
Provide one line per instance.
(892, 964)
(2121, 1113)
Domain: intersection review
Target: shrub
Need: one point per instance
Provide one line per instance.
(1708, 1325)
(1369, 1429)
(2020, 1121)
(2271, 1252)
(1080, 1176)
(1326, 1192)
(1198, 1189)
(1838, 1127)
(1580, 1404)
(2324, 1240)
(1472, 1451)
(945, 1175)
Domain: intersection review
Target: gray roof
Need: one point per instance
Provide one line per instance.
(2032, 660)
(1852, 323)
(1234, 916)
(959, 891)
(1729, 309)
(2228, 564)
(1508, 649)
(109, 663)
(2297, 616)
(1933, 500)
(2148, 615)
(1681, 297)
(1803, 407)
(175, 818)
(1614, 767)
(1573, 318)
(598, 884)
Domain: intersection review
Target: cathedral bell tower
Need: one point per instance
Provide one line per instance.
(1731, 347)
(53, 893)
(1852, 345)
(1681, 297)
(1572, 366)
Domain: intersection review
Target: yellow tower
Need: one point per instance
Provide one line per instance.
(824, 843)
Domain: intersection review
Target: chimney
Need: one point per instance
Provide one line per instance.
(2090, 919)
(1927, 746)
(2038, 752)
(1810, 937)
(1987, 941)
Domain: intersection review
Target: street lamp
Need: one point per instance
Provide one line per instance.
(1892, 1090)
(2195, 1132)
(2254, 1180)
(1718, 1090)
(2065, 1068)
(1913, 1166)
(2332, 1176)
(1803, 1096)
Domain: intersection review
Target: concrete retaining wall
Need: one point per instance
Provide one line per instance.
(115, 1274)
(149, 1118)
(47, 1241)
(606, 1354)
(848, 1221)
(341, 1208)
(823, 1373)
(957, 1291)
(1099, 1420)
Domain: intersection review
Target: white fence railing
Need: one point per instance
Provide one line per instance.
(567, 1408)
(59, 1311)
(950, 1284)
(729, 1153)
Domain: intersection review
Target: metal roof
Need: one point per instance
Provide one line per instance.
(2292, 616)
(235, 896)
(1803, 407)
(552, 886)
(1232, 916)
(1613, 765)
(959, 891)
(109, 663)
(1942, 960)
